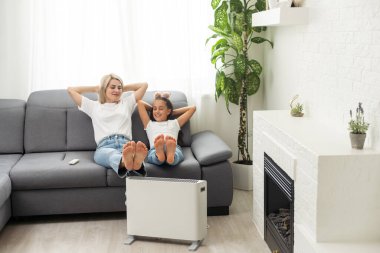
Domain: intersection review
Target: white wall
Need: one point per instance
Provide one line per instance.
(332, 63)
(14, 49)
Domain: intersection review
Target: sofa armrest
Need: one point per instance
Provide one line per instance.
(208, 148)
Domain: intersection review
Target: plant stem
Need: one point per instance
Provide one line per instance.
(243, 136)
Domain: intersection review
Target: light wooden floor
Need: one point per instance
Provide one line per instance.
(102, 233)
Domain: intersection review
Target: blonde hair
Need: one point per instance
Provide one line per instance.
(104, 84)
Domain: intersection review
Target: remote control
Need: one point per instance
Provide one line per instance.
(74, 161)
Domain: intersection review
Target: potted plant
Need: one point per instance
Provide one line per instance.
(358, 128)
(237, 73)
(297, 110)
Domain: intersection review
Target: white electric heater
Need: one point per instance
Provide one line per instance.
(166, 208)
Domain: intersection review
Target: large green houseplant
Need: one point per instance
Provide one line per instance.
(238, 74)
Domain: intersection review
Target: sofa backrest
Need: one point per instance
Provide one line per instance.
(54, 123)
(12, 114)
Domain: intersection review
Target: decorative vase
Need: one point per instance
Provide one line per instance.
(242, 176)
(357, 140)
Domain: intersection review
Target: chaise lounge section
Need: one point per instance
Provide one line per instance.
(12, 114)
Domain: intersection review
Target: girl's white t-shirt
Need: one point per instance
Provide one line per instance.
(155, 128)
(110, 118)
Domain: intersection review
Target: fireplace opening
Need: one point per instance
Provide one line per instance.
(278, 207)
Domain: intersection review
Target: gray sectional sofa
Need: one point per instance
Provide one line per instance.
(39, 137)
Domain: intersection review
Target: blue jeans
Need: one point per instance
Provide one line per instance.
(178, 157)
(109, 153)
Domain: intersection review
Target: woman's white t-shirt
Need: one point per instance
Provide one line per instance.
(110, 118)
(155, 128)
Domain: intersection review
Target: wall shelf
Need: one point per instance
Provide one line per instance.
(281, 17)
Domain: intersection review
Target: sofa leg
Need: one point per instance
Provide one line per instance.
(218, 210)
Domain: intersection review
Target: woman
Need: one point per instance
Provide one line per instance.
(111, 118)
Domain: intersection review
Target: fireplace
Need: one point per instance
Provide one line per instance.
(278, 208)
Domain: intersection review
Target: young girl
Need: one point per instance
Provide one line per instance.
(162, 132)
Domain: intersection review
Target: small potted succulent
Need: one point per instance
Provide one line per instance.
(358, 128)
(297, 110)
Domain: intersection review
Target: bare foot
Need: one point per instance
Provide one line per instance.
(171, 145)
(129, 150)
(159, 146)
(141, 152)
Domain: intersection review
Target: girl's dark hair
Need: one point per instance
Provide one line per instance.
(168, 103)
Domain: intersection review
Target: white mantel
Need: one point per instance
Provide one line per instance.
(337, 188)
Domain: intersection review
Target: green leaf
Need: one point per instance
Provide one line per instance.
(237, 42)
(255, 67)
(217, 54)
(236, 6)
(239, 65)
(259, 40)
(222, 43)
(228, 88)
(253, 83)
(260, 5)
(239, 23)
(219, 84)
(232, 90)
(211, 37)
(215, 3)
(227, 103)
(219, 31)
(221, 18)
(216, 58)
(257, 29)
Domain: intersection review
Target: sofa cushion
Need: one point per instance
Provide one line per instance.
(12, 113)
(7, 162)
(51, 170)
(114, 180)
(5, 188)
(54, 123)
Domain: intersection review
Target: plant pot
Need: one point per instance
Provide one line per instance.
(357, 140)
(243, 176)
(296, 114)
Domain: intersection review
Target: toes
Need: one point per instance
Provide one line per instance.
(128, 154)
(170, 139)
(141, 145)
(159, 137)
(141, 152)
